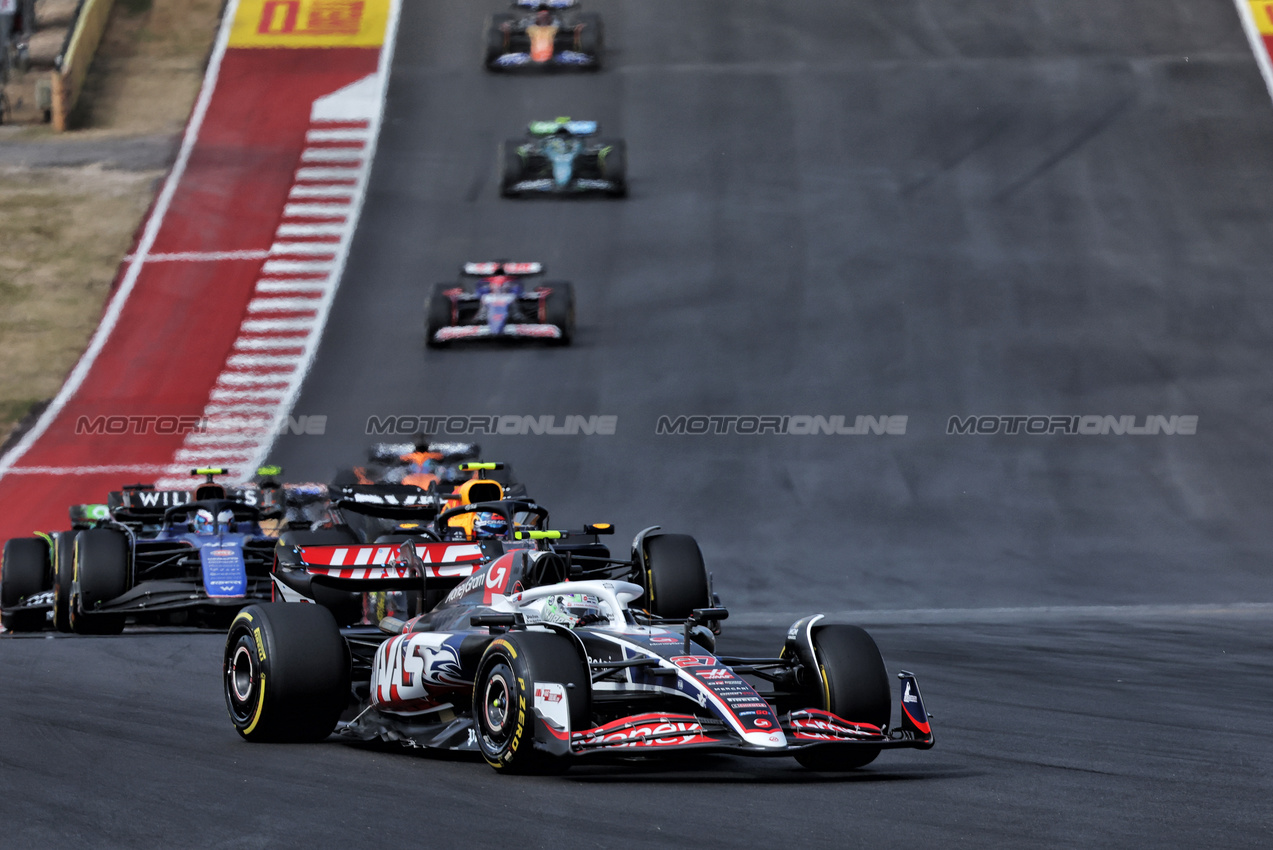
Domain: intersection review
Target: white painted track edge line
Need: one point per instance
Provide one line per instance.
(355, 214)
(1256, 41)
(150, 233)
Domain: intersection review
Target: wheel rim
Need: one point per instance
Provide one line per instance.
(242, 680)
(496, 701)
(242, 674)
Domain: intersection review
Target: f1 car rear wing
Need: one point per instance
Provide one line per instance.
(450, 451)
(574, 128)
(545, 4)
(385, 566)
(497, 267)
(389, 501)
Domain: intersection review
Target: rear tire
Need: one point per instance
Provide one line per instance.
(856, 688)
(675, 576)
(440, 315)
(496, 40)
(510, 168)
(24, 573)
(591, 38)
(559, 310)
(285, 672)
(63, 573)
(101, 574)
(503, 698)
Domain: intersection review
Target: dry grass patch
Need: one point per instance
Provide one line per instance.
(64, 232)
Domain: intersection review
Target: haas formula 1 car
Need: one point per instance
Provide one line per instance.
(538, 659)
(496, 301)
(154, 555)
(561, 157)
(544, 34)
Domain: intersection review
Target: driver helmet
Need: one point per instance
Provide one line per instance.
(206, 523)
(574, 609)
(543, 17)
(489, 524)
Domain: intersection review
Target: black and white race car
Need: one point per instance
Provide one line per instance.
(563, 157)
(536, 660)
(544, 34)
(499, 300)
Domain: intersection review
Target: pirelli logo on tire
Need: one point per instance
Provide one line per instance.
(310, 23)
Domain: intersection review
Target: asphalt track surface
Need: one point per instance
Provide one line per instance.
(1080, 734)
(921, 209)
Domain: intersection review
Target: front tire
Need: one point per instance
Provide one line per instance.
(559, 310)
(855, 687)
(675, 577)
(285, 672)
(511, 168)
(614, 167)
(441, 314)
(24, 573)
(503, 698)
(101, 574)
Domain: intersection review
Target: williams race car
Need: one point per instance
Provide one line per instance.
(495, 301)
(560, 158)
(544, 34)
(153, 555)
(536, 662)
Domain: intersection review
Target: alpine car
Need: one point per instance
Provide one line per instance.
(536, 663)
(152, 555)
(560, 157)
(544, 34)
(494, 300)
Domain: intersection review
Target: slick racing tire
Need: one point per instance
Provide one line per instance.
(510, 168)
(285, 672)
(24, 573)
(439, 315)
(590, 37)
(559, 309)
(100, 574)
(675, 576)
(63, 573)
(345, 606)
(496, 40)
(855, 687)
(504, 701)
(614, 166)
